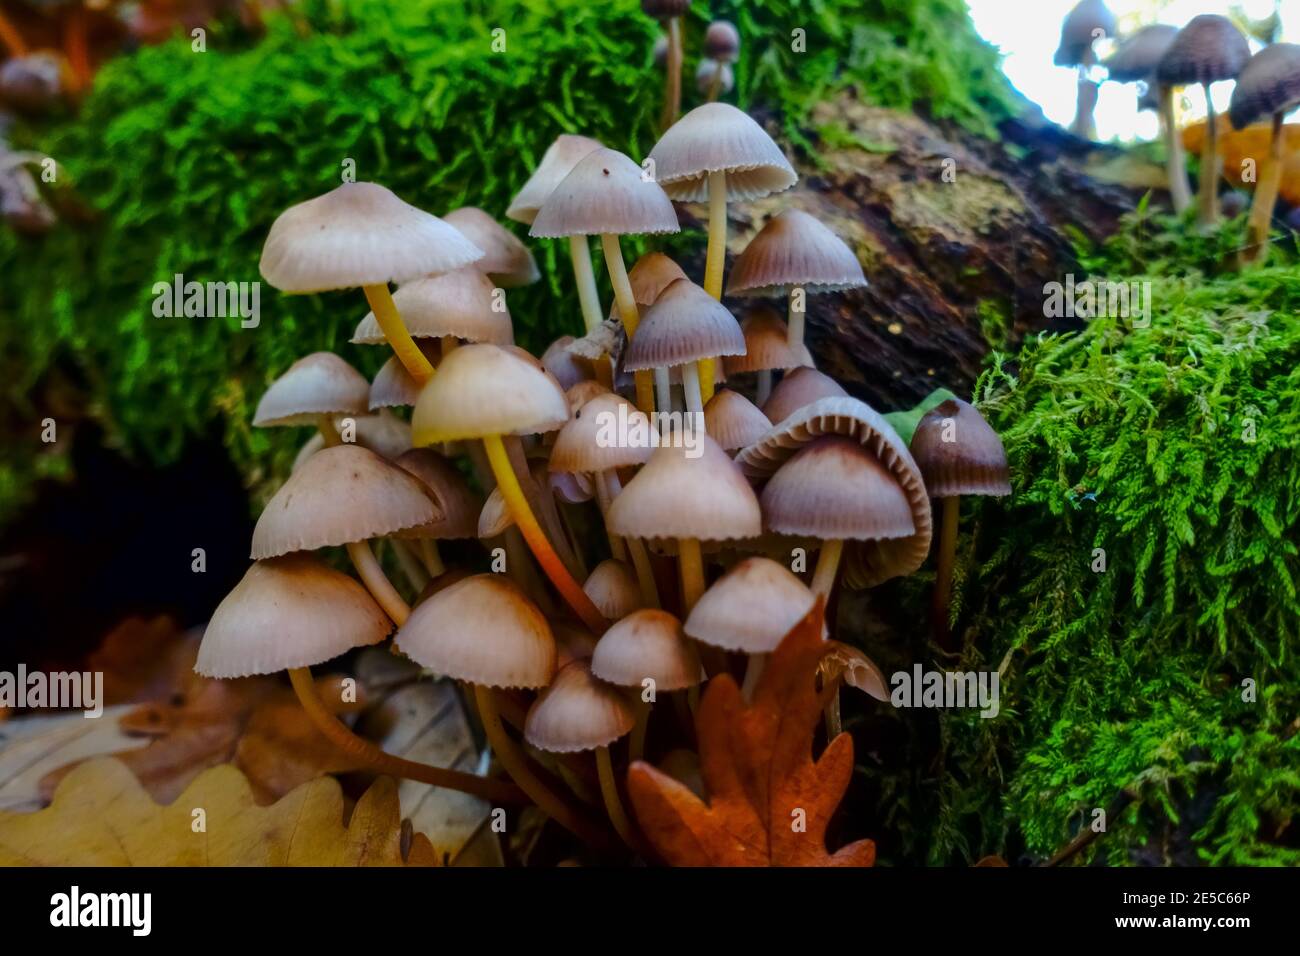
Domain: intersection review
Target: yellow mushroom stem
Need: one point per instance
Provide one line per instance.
(613, 802)
(412, 568)
(1175, 163)
(1209, 177)
(494, 791)
(1261, 210)
(431, 558)
(715, 262)
(550, 562)
(943, 570)
(692, 570)
(328, 433)
(585, 277)
(516, 765)
(394, 329)
(627, 313)
(828, 564)
(636, 742)
(645, 575)
(617, 548)
(377, 583)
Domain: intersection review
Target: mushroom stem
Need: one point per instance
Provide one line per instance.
(1261, 210)
(613, 803)
(328, 433)
(551, 564)
(390, 321)
(449, 344)
(412, 569)
(377, 583)
(715, 83)
(1084, 126)
(617, 549)
(663, 390)
(585, 277)
(673, 74)
(753, 671)
(943, 571)
(693, 388)
(431, 558)
(627, 312)
(1179, 195)
(764, 389)
(645, 575)
(1209, 180)
(516, 766)
(692, 568)
(715, 261)
(636, 742)
(828, 564)
(795, 320)
(494, 791)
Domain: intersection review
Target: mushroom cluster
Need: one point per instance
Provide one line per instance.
(706, 503)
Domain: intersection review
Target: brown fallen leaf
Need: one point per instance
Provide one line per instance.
(769, 801)
(101, 816)
(144, 659)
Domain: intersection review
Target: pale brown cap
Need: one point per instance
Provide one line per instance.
(447, 486)
(592, 440)
(383, 433)
(733, 421)
(647, 644)
(288, 612)
(340, 495)
(833, 488)
(359, 234)
(573, 643)
(573, 488)
(464, 304)
(581, 393)
(1080, 29)
(505, 258)
(797, 390)
(675, 496)
(767, 346)
(685, 324)
(613, 588)
(795, 250)
(649, 277)
(563, 364)
(482, 630)
(664, 9)
(605, 193)
(722, 41)
(484, 390)
(1269, 83)
(1138, 55)
(717, 137)
(393, 386)
(557, 162)
(315, 385)
(751, 608)
(1210, 48)
(577, 712)
(959, 453)
(495, 517)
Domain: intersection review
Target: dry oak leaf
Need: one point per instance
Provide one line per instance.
(102, 816)
(769, 801)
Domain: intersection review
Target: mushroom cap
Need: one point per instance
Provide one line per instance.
(795, 250)
(1268, 84)
(573, 488)
(751, 608)
(871, 562)
(717, 137)
(577, 712)
(733, 421)
(340, 495)
(613, 588)
(684, 324)
(563, 364)
(393, 386)
(799, 389)
(965, 457)
(560, 157)
(383, 433)
(495, 517)
(463, 303)
(317, 384)
(1079, 31)
(288, 612)
(359, 234)
(767, 346)
(833, 488)
(447, 486)
(482, 390)
(505, 258)
(705, 72)
(483, 630)
(1210, 48)
(663, 9)
(601, 435)
(605, 194)
(649, 277)
(722, 41)
(572, 642)
(580, 393)
(647, 644)
(1139, 55)
(676, 496)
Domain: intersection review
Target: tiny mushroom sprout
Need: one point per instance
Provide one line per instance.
(613, 589)
(1207, 50)
(668, 13)
(361, 235)
(293, 612)
(559, 360)
(768, 348)
(733, 421)
(393, 387)
(460, 504)
(721, 47)
(383, 433)
(1267, 88)
(484, 631)
(483, 392)
(795, 255)
(606, 195)
(506, 260)
(685, 325)
(688, 493)
(313, 390)
(714, 79)
(558, 160)
(958, 454)
(1088, 22)
(1135, 61)
(716, 152)
(799, 389)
